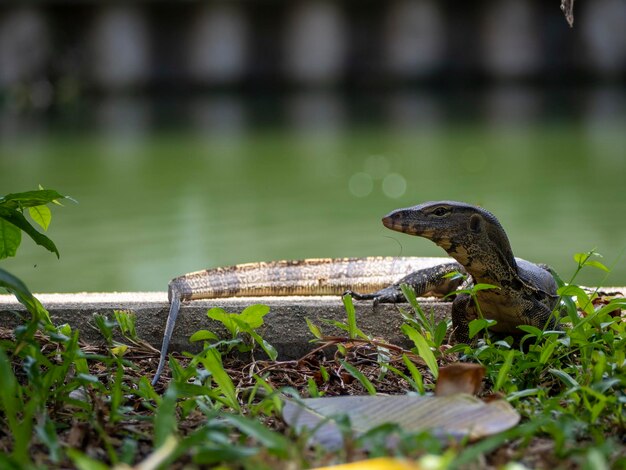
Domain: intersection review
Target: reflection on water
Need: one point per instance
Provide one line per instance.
(239, 179)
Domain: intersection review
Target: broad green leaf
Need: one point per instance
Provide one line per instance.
(32, 198)
(532, 330)
(203, 335)
(253, 315)
(422, 347)
(220, 315)
(584, 259)
(41, 215)
(10, 239)
(582, 299)
(267, 347)
(357, 374)
(478, 325)
(17, 218)
(23, 295)
(440, 332)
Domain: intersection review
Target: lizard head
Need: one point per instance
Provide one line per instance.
(463, 230)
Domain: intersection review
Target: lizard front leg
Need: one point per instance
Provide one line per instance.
(429, 281)
(463, 312)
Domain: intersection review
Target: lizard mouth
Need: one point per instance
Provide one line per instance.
(396, 224)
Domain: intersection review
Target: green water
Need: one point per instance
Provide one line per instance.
(157, 202)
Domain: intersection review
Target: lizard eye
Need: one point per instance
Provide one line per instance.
(440, 211)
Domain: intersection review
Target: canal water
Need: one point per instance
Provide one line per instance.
(165, 188)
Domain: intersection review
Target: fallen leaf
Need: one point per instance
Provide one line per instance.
(461, 377)
(457, 415)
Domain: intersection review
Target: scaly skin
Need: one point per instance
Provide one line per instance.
(525, 293)
(325, 276)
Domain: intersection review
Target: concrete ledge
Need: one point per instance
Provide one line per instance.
(285, 325)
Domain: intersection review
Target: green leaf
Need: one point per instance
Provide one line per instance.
(10, 402)
(165, 422)
(32, 198)
(582, 299)
(504, 370)
(48, 434)
(409, 294)
(357, 374)
(314, 329)
(120, 350)
(213, 362)
(415, 374)
(479, 287)
(83, 462)
(203, 335)
(440, 332)
(566, 378)
(220, 315)
(41, 215)
(478, 325)
(547, 350)
(10, 239)
(422, 347)
(273, 441)
(16, 218)
(349, 306)
(126, 321)
(23, 295)
(584, 259)
(267, 347)
(253, 315)
(532, 330)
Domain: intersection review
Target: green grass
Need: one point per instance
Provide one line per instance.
(63, 403)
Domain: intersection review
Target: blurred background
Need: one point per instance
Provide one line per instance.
(202, 133)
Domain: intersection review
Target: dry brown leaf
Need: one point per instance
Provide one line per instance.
(461, 377)
(457, 415)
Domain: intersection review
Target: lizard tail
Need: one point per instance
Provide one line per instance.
(169, 329)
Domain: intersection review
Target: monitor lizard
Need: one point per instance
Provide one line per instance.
(525, 293)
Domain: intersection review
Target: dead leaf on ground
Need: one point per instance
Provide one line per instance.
(461, 377)
(457, 415)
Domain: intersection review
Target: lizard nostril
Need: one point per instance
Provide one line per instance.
(387, 221)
